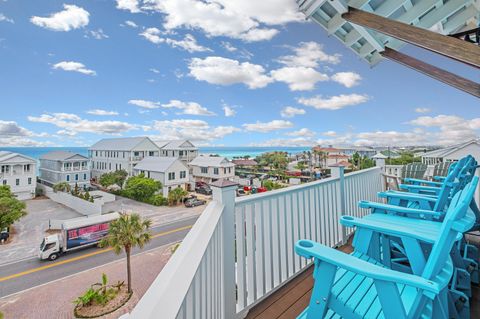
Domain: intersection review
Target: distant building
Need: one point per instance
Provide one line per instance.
(170, 171)
(337, 159)
(123, 153)
(18, 171)
(182, 149)
(452, 153)
(362, 151)
(245, 163)
(390, 154)
(63, 166)
(209, 169)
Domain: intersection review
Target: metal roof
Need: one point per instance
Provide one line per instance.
(448, 150)
(119, 144)
(445, 17)
(6, 155)
(60, 156)
(177, 145)
(211, 161)
(156, 164)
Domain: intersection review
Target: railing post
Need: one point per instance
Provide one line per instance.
(338, 171)
(224, 191)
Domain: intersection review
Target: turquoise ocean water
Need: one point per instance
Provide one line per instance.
(229, 152)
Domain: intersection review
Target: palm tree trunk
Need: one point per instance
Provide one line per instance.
(129, 270)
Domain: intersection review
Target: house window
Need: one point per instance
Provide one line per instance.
(120, 166)
(224, 170)
(229, 169)
(5, 168)
(17, 182)
(171, 176)
(183, 174)
(181, 153)
(204, 170)
(215, 170)
(26, 168)
(151, 153)
(136, 153)
(84, 177)
(68, 178)
(4, 182)
(29, 181)
(110, 166)
(76, 177)
(96, 153)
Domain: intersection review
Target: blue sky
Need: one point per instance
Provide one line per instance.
(220, 73)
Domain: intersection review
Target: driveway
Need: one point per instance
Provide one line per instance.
(30, 230)
(158, 214)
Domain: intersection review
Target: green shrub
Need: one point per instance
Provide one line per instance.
(176, 195)
(62, 187)
(117, 177)
(157, 200)
(141, 188)
(100, 293)
(270, 185)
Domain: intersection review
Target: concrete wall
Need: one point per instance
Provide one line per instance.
(80, 205)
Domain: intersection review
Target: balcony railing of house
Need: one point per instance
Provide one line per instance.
(241, 250)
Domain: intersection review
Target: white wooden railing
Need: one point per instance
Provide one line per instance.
(242, 249)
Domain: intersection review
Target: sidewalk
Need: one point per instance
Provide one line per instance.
(54, 300)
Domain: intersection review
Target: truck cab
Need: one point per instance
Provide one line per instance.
(50, 247)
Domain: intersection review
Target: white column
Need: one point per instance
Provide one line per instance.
(224, 191)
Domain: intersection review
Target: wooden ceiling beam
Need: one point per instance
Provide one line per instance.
(444, 76)
(447, 46)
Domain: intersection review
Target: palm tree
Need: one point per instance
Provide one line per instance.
(126, 233)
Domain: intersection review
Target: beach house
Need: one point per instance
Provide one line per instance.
(18, 171)
(209, 168)
(181, 149)
(64, 166)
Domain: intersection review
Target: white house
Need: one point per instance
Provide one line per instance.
(182, 149)
(453, 153)
(208, 168)
(64, 166)
(113, 154)
(170, 171)
(18, 171)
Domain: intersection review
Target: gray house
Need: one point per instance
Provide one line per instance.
(64, 166)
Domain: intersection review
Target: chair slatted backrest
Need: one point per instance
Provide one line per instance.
(445, 194)
(414, 170)
(456, 215)
(442, 169)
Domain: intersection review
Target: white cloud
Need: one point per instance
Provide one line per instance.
(290, 111)
(72, 17)
(191, 108)
(223, 71)
(334, 102)
(73, 67)
(145, 104)
(299, 78)
(385, 138)
(131, 24)
(101, 112)
(422, 110)
(189, 43)
(330, 133)
(347, 79)
(264, 127)
(229, 111)
(97, 34)
(228, 46)
(4, 18)
(194, 130)
(73, 124)
(303, 132)
(129, 5)
(12, 129)
(247, 20)
(309, 55)
(156, 71)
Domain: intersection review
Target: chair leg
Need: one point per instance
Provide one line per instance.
(320, 298)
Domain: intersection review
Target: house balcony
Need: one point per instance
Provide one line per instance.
(238, 260)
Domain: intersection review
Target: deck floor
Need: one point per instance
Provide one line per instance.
(290, 300)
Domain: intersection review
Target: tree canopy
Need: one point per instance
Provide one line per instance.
(11, 209)
(141, 188)
(117, 177)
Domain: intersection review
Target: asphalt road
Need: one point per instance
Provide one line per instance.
(28, 273)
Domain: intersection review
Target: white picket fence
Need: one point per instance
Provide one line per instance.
(242, 249)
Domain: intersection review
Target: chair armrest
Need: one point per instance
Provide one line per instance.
(416, 181)
(416, 188)
(378, 226)
(398, 209)
(310, 249)
(406, 196)
(416, 194)
(439, 178)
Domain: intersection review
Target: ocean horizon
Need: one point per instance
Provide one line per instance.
(229, 152)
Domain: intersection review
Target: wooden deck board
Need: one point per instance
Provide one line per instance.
(290, 300)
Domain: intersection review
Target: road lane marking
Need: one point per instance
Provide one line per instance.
(66, 261)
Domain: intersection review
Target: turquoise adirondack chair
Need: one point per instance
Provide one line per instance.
(360, 286)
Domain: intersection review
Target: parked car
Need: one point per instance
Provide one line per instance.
(4, 234)
(189, 197)
(203, 190)
(194, 202)
(200, 184)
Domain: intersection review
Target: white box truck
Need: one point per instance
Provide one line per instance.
(75, 234)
